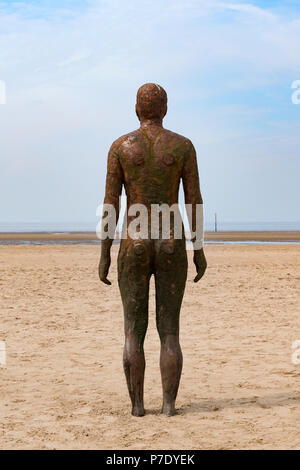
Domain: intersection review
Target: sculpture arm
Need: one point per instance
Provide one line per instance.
(113, 190)
(194, 207)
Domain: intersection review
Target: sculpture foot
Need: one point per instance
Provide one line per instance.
(168, 409)
(138, 411)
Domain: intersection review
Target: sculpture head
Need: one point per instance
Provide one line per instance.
(151, 102)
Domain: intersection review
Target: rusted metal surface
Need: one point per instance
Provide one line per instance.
(150, 162)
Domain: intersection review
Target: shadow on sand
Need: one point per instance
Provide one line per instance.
(268, 401)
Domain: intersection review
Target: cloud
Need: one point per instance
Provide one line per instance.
(75, 57)
(250, 10)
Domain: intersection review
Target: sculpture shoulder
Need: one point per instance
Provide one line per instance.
(179, 139)
(124, 140)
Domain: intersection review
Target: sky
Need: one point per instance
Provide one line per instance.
(71, 71)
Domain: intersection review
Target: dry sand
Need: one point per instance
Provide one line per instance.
(64, 387)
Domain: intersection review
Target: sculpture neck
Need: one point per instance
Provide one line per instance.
(146, 123)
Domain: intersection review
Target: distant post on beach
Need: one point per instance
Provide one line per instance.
(216, 222)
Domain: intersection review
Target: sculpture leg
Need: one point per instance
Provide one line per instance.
(134, 276)
(170, 278)
(134, 368)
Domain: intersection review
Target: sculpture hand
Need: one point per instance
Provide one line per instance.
(200, 263)
(104, 268)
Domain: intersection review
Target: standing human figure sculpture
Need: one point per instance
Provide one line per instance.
(150, 162)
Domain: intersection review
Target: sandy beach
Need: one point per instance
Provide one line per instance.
(64, 388)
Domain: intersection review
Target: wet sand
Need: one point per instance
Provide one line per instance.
(63, 386)
(81, 237)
